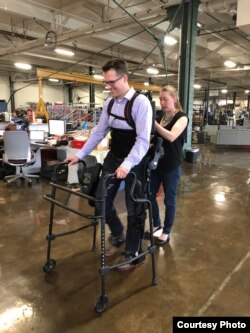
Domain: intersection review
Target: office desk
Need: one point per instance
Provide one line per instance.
(56, 152)
(61, 153)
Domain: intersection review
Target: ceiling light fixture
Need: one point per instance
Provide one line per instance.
(152, 70)
(224, 91)
(22, 65)
(247, 91)
(53, 80)
(197, 86)
(146, 84)
(229, 64)
(169, 40)
(64, 52)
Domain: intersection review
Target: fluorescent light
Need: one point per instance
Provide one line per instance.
(169, 40)
(22, 66)
(229, 64)
(64, 52)
(224, 91)
(152, 70)
(197, 86)
(247, 91)
(199, 25)
(53, 80)
(98, 76)
(146, 84)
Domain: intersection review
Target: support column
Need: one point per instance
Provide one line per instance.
(206, 105)
(12, 97)
(234, 98)
(92, 95)
(91, 90)
(187, 61)
(70, 93)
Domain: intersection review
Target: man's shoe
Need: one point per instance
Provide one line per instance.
(128, 266)
(115, 242)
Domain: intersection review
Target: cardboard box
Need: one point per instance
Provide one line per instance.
(12, 127)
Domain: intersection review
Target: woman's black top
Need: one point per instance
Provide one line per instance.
(172, 150)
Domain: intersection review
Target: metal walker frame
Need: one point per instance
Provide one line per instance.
(49, 266)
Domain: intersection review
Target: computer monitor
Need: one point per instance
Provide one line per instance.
(57, 127)
(39, 127)
(37, 136)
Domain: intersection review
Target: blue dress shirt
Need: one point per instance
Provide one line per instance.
(142, 115)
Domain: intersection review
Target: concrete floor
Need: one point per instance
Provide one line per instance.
(203, 271)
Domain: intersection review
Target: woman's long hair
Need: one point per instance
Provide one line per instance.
(173, 93)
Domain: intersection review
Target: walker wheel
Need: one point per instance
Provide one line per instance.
(101, 304)
(49, 266)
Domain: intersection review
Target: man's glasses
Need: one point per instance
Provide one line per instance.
(112, 82)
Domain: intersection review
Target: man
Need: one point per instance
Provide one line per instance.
(128, 147)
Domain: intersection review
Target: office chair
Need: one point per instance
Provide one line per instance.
(17, 152)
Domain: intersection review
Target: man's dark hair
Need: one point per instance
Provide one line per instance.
(119, 65)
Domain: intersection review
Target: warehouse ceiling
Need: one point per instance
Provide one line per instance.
(97, 30)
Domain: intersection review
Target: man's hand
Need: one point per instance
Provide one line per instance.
(121, 172)
(72, 160)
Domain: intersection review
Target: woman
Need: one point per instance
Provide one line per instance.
(172, 128)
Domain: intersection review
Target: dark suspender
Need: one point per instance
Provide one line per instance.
(127, 110)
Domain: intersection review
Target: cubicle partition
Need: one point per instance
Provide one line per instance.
(233, 137)
(227, 135)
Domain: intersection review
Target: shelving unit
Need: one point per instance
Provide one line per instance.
(74, 114)
(197, 124)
